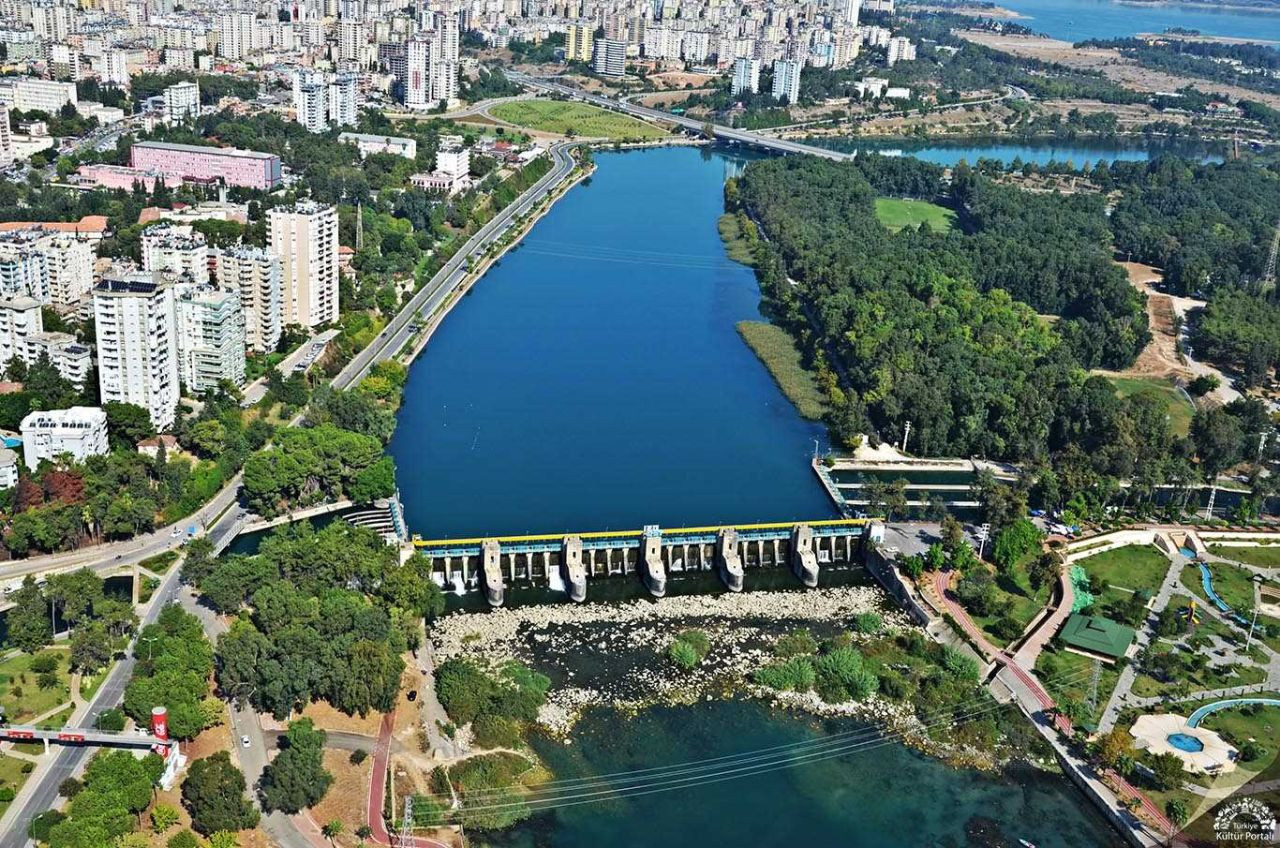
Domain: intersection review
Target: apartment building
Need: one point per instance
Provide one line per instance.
(80, 431)
(211, 337)
(305, 237)
(137, 344)
(255, 274)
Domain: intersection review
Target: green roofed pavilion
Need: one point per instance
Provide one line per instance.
(1097, 636)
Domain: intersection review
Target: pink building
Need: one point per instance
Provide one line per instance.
(177, 162)
(116, 176)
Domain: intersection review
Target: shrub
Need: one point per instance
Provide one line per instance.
(892, 685)
(1006, 628)
(868, 622)
(70, 787)
(44, 662)
(682, 654)
(797, 643)
(697, 640)
(962, 666)
(793, 675)
(842, 677)
(493, 731)
(7, 794)
(358, 756)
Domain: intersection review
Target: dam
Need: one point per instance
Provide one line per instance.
(649, 554)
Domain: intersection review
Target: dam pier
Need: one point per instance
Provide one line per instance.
(653, 554)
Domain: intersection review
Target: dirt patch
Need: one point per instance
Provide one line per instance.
(666, 98)
(347, 796)
(1160, 357)
(326, 717)
(1111, 63)
(1127, 114)
(680, 79)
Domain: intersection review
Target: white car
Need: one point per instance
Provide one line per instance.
(177, 531)
(244, 741)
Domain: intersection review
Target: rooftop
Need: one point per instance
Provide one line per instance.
(195, 148)
(1097, 635)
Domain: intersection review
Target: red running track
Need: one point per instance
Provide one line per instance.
(377, 793)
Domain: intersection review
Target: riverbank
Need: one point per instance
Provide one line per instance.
(442, 311)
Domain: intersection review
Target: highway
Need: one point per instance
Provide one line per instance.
(113, 555)
(429, 298)
(222, 517)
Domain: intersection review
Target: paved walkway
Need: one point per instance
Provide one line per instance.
(1120, 695)
(377, 792)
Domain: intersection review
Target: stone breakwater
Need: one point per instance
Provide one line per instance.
(612, 654)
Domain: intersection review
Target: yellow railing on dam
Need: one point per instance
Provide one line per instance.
(619, 534)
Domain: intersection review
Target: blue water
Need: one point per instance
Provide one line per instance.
(1077, 20)
(11, 442)
(1185, 742)
(594, 379)
(883, 797)
(1078, 152)
(1187, 552)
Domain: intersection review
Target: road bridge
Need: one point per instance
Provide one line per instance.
(731, 134)
(653, 553)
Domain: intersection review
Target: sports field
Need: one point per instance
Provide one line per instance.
(578, 119)
(896, 213)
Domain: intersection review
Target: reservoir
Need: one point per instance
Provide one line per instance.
(595, 379)
(1078, 20)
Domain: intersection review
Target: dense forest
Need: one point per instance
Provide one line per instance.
(941, 329)
(1206, 225)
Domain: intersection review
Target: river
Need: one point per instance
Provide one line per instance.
(1077, 152)
(1078, 20)
(595, 379)
(885, 796)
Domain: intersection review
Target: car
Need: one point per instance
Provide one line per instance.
(413, 695)
(244, 741)
(177, 531)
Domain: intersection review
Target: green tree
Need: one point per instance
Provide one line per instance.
(127, 424)
(30, 627)
(1166, 771)
(90, 647)
(214, 795)
(332, 829)
(1015, 541)
(163, 817)
(296, 778)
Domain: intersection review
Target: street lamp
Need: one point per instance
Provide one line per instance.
(149, 640)
(983, 532)
(1258, 580)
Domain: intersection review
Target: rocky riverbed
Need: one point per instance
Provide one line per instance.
(613, 654)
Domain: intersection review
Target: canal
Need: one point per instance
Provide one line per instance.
(595, 379)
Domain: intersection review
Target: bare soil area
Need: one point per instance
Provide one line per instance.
(1160, 357)
(680, 79)
(347, 796)
(326, 717)
(1115, 67)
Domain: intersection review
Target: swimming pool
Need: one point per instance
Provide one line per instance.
(1186, 742)
(1187, 552)
(11, 442)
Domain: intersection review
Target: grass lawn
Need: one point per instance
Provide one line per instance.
(1180, 409)
(1136, 567)
(1262, 725)
(1015, 600)
(562, 118)
(1146, 686)
(1235, 586)
(22, 697)
(778, 351)
(1263, 556)
(159, 563)
(738, 248)
(1067, 677)
(11, 776)
(896, 213)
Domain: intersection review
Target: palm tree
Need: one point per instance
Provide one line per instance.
(331, 830)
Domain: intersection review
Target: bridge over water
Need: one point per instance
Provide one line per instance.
(651, 552)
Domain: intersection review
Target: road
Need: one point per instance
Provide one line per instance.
(41, 792)
(397, 333)
(222, 518)
(431, 296)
